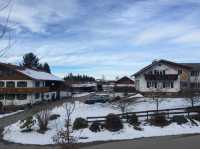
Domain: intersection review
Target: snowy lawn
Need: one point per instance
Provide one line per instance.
(13, 133)
(9, 114)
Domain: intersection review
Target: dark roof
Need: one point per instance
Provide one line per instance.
(125, 78)
(194, 66)
(161, 61)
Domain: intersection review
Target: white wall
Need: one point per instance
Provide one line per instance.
(141, 83)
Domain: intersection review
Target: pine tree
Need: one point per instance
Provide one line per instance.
(46, 68)
(30, 61)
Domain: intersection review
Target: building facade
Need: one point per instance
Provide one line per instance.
(21, 86)
(168, 77)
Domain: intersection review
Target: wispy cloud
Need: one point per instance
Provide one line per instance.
(111, 37)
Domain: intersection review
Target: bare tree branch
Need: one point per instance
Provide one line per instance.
(5, 6)
(6, 30)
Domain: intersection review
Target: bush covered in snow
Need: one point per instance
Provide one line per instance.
(159, 119)
(80, 123)
(179, 119)
(95, 127)
(27, 124)
(113, 122)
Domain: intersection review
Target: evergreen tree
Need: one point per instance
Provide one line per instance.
(46, 68)
(30, 60)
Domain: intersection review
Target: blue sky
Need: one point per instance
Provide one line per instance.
(110, 37)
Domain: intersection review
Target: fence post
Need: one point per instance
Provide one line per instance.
(188, 113)
(168, 113)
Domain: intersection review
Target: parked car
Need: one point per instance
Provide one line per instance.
(97, 99)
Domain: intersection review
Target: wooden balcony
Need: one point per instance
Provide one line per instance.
(24, 90)
(170, 77)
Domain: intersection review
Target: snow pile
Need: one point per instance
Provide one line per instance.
(136, 96)
(39, 75)
(12, 133)
(84, 85)
(9, 114)
(81, 94)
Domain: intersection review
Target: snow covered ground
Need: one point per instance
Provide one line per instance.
(12, 133)
(9, 114)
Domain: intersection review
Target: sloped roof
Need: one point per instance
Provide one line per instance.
(161, 61)
(34, 74)
(194, 66)
(125, 78)
(39, 75)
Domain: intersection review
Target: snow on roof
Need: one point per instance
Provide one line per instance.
(84, 85)
(39, 75)
(136, 96)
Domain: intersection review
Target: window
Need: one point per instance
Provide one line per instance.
(10, 97)
(37, 84)
(152, 84)
(195, 73)
(163, 72)
(2, 84)
(2, 96)
(155, 84)
(22, 84)
(22, 96)
(166, 84)
(172, 84)
(10, 84)
(37, 96)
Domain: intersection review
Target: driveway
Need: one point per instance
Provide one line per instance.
(168, 142)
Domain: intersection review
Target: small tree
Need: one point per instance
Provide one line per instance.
(64, 136)
(27, 124)
(123, 106)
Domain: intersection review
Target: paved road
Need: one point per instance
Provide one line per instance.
(169, 142)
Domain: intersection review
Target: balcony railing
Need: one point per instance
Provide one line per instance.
(170, 77)
(24, 90)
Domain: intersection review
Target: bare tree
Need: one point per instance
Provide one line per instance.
(5, 30)
(64, 136)
(192, 94)
(154, 94)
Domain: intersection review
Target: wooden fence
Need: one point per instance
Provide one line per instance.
(168, 112)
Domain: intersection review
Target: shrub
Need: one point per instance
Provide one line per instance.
(113, 123)
(159, 119)
(196, 117)
(179, 119)
(117, 98)
(27, 124)
(54, 117)
(43, 120)
(80, 123)
(95, 127)
(133, 120)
